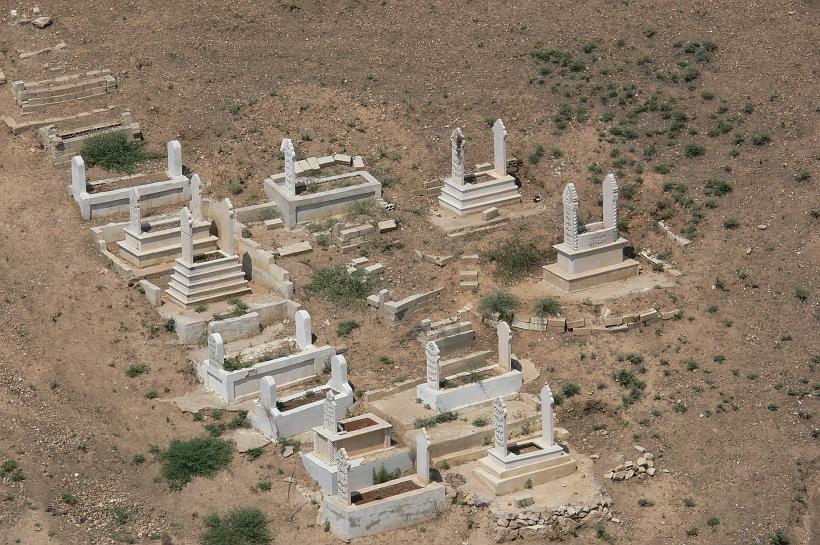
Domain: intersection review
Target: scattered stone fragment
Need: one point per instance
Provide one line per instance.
(42, 21)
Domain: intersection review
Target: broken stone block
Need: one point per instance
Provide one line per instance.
(342, 158)
(387, 226)
(358, 261)
(611, 320)
(524, 501)
(376, 268)
(489, 213)
(276, 223)
(469, 275)
(294, 249)
(42, 21)
(651, 471)
(358, 162)
(557, 324)
(578, 322)
(325, 160)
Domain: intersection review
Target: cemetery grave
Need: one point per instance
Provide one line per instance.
(358, 345)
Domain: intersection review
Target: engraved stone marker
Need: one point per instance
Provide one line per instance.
(330, 412)
(290, 168)
(571, 216)
(77, 176)
(500, 415)
(432, 352)
(187, 235)
(174, 158)
(304, 329)
(458, 144)
(267, 393)
(135, 214)
(342, 470)
(610, 202)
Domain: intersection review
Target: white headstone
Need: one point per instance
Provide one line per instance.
(610, 202)
(174, 158)
(384, 296)
(504, 345)
(290, 167)
(135, 214)
(422, 456)
(500, 416)
(432, 352)
(547, 416)
(330, 412)
(267, 392)
(458, 144)
(500, 148)
(229, 240)
(216, 350)
(186, 229)
(338, 372)
(196, 197)
(304, 330)
(571, 216)
(77, 177)
(342, 476)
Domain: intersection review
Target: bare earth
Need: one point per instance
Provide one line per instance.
(390, 80)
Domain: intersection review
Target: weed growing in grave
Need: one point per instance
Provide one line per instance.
(240, 526)
(169, 325)
(115, 151)
(254, 453)
(480, 422)
(360, 208)
(546, 306)
(136, 369)
(514, 259)
(346, 327)
(336, 285)
(202, 307)
(238, 421)
(185, 459)
(435, 420)
(383, 475)
(502, 303)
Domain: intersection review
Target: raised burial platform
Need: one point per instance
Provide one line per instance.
(511, 466)
(490, 188)
(209, 277)
(37, 95)
(591, 254)
(311, 198)
(64, 143)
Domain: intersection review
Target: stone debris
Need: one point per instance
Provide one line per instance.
(42, 22)
(549, 524)
(644, 465)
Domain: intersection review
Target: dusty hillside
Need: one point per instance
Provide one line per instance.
(670, 96)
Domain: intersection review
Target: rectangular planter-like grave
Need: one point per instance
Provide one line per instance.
(470, 394)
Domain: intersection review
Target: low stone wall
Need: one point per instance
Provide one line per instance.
(360, 474)
(352, 521)
(560, 324)
(277, 424)
(473, 394)
(405, 308)
(244, 383)
(260, 267)
(548, 524)
(192, 329)
(175, 190)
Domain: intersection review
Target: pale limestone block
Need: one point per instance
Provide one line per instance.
(304, 330)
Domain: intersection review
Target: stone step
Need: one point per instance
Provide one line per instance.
(190, 302)
(208, 283)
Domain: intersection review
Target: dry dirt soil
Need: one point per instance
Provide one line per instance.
(669, 95)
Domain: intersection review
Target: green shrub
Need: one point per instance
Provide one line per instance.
(570, 389)
(200, 456)
(536, 155)
(779, 538)
(115, 151)
(693, 150)
(717, 187)
(761, 139)
(514, 259)
(336, 285)
(136, 369)
(240, 526)
(169, 325)
(502, 303)
(346, 327)
(731, 223)
(546, 306)
(801, 293)
(480, 422)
